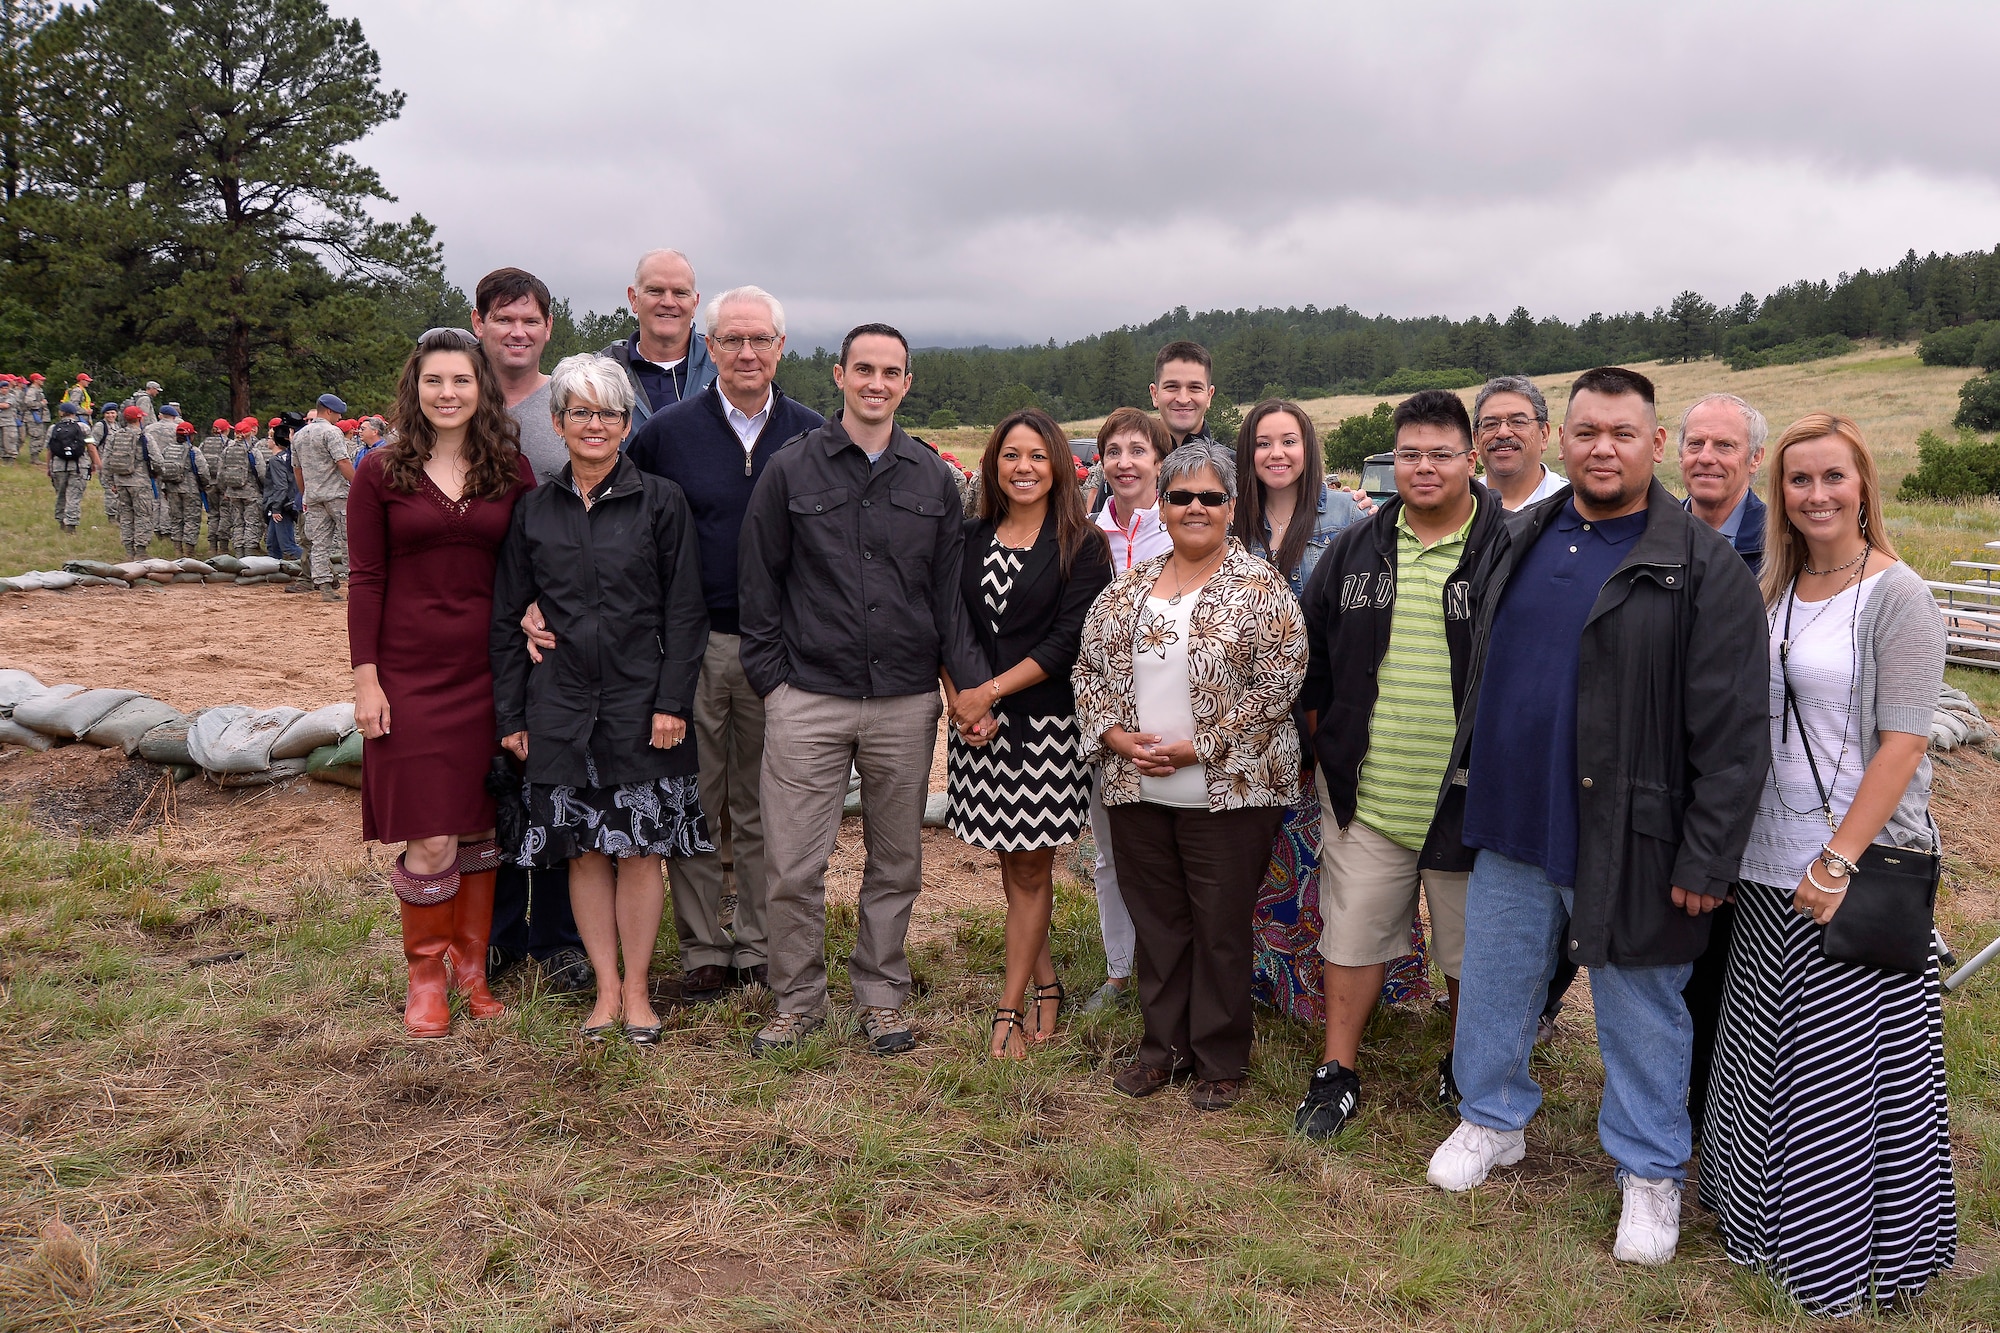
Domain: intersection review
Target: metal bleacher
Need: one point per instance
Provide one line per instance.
(1970, 603)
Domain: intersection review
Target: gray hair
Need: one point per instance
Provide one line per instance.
(1520, 384)
(640, 267)
(588, 375)
(1754, 424)
(1195, 455)
(744, 294)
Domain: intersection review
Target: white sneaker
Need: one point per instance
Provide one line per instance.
(1464, 1159)
(1650, 1226)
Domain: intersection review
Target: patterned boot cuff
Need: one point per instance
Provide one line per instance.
(423, 890)
(476, 858)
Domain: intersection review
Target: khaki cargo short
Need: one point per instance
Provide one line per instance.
(1368, 898)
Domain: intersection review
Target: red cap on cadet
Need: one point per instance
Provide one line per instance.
(133, 413)
(277, 422)
(82, 378)
(247, 426)
(349, 427)
(184, 428)
(35, 377)
(220, 425)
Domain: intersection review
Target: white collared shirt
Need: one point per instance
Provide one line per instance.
(747, 428)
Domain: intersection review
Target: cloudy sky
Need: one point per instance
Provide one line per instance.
(1019, 171)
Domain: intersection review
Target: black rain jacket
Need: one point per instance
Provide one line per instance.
(1673, 735)
(620, 587)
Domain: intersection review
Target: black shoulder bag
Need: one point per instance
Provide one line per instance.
(1884, 918)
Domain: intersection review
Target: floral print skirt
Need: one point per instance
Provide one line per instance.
(658, 818)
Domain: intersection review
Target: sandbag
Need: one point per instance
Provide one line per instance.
(50, 694)
(259, 564)
(189, 578)
(245, 580)
(155, 576)
(347, 775)
(282, 771)
(92, 581)
(125, 725)
(218, 577)
(228, 564)
(347, 753)
(167, 743)
(187, 564)
(234, 739)
(156, 565)
(16, 685)
(43, 580)
(69, 716)
(8, 585)
(13, 733)
(97, 568)
(277, 578)
(292, 567)
(131, 571)
(322, 726)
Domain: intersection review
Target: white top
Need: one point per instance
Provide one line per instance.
(747, 428)
(1160, 683)
(1550, 484)
(1790, 830)
(1141, 538)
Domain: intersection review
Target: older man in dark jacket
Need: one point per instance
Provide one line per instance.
(1610, 757)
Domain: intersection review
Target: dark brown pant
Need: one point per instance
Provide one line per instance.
(1190, 880)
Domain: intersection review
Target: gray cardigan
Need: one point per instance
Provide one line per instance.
(1901, 635)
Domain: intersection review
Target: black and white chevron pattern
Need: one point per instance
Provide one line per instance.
(1027, 788)
(996, 580)
(1824, 1151)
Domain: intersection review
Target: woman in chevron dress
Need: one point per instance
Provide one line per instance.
(1016, 781)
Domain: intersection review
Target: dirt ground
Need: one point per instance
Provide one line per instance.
(198, 645)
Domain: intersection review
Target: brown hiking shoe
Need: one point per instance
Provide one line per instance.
(327, 594)
(1139, 1080)
(785, 1031)
(1215, 1094)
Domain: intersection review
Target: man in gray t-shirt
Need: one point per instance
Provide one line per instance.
(540, 444)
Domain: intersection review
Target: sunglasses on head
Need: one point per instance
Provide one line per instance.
(447, 337)
(1209, 499)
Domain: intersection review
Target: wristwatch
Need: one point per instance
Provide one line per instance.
(1836, 865)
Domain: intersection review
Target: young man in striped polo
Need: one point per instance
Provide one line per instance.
(1389, 616)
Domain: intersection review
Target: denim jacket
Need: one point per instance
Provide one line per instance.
(1336, 511)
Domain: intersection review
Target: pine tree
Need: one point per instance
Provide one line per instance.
(1690, 323)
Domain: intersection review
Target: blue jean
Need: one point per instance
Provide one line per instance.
(279, 540)
(1514, 920)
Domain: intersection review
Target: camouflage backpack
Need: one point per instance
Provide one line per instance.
(124, 453)
(169, 461)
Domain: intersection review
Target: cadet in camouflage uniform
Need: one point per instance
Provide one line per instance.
(143, 400)
(210, 452)
(34, 417)
(239, 475)
(10, 418)
(131, 488)
(77, 395)
(167, 454)
(72, 458)
(323, 460)
(101, 434)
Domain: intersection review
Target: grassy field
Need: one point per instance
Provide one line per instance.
(212, 1121)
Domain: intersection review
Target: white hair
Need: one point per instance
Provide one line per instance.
(1192, 458)
(651, 255)
(1754, 424)
(590, 376)
(741, 294)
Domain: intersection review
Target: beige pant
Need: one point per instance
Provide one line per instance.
(326, 538)
(729, 739)
(1368, 898)
(810, 740)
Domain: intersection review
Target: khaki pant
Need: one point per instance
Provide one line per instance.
(69, 485)
(810, 740)
(326, 538)
(133, 500)
(729, 739)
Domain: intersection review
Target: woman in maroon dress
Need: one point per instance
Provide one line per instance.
(425, 520)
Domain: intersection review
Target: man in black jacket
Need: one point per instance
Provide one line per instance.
(849, 567)
(716, 444)
(1611, 752)
(1389, 614)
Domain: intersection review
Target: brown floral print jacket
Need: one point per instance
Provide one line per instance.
(1246, 662)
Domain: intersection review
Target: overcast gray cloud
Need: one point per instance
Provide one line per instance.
(1038, 170)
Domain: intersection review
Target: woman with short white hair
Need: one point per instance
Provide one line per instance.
(601, 720)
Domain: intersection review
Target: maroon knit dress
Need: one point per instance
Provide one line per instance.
(420, 606)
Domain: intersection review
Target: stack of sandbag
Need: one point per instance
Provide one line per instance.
(42, 580)
(96, 573)
(140, 573)
(1957, 722)
(233, 744)
(15, 687)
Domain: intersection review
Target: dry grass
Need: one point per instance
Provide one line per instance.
(209, 1119)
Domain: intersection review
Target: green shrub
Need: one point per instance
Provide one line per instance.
(1006, 401)
(1349, 444)
(1953, 470)
(1225, 419)
(1979, 403)
(944, 419)
(1955, 346)
(1792, 353)
(1987, 358)
(1408, 380)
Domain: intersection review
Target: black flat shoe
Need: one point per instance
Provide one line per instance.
(600, 1032)
(647, 1036)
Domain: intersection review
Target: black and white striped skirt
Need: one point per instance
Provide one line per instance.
(1824, 1153)
(1026, 788)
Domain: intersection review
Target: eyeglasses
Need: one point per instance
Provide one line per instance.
(1209, 499)
(1517, 423)
(736, 342)
(1435, 457)
(583, 416)
(447, 335)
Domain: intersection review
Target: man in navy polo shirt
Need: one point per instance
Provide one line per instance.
(1610, 752)
(714, 445)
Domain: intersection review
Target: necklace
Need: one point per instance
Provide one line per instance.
(1859, 556)
(1181, 585)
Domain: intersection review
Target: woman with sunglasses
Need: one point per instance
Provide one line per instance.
(601, 720)
(1184, 688)
(1289, 514)
(425, 519)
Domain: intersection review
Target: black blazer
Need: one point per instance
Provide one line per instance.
(1044, 617)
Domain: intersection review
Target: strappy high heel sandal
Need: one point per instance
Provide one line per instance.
(1044, 992)
(1007, 1018)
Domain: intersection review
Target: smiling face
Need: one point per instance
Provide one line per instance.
(1280, 457)
(1509, 438)
(1132, 470)
(447, 390)
(875, 378)
(1433, 467)
(1716, 460)
(664, 299)
(1610, 445)
(1182, 396)
(592, 435)
(746, 373)
(1198, 531)
(1822, 491)
(514, 335)
(1026, 471)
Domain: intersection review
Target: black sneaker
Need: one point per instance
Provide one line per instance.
(1447, 1086)
(499, 962)
(1330, 1101)
(567, 972)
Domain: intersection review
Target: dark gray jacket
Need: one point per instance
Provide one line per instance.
(1673, 735)
(700, 374)
(848, 576)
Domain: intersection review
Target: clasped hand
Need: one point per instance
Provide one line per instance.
(1153, 756)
